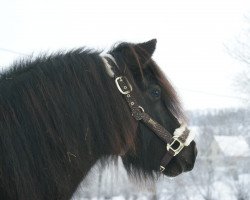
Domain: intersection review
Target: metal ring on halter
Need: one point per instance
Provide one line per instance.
(141, 108)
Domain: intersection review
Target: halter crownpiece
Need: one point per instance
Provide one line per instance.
(176, 142)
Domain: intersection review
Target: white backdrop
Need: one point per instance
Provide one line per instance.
(191, 34)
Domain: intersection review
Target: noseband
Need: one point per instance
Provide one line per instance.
(174, 143)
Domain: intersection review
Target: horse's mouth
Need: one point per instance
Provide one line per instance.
(178, 169)
(181, 165)
(174, 171)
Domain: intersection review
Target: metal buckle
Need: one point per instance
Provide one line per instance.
(162, 168)
(173, 147)
(126, 87)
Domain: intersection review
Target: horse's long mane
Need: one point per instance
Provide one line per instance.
(56, 113)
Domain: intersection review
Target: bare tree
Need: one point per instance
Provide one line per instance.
(240, 49)
(241, 191)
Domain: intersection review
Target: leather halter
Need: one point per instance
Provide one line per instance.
(176, 142)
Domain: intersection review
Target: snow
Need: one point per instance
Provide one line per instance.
(233, 145)
(244, 179)
(223, 191)
(118, 198)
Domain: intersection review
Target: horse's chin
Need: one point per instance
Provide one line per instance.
(174, 174)
(173, 171)
(178, 168)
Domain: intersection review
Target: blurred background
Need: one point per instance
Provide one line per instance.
(203, 48)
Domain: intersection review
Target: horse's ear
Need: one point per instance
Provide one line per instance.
(145, 50)
(134, 53)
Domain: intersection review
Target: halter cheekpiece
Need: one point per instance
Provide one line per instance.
(174, 143)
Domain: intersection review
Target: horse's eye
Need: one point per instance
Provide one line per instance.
(156, 92)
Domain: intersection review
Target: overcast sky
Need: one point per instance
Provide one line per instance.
(191, 35)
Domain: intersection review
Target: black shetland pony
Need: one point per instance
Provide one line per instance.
(59, 114)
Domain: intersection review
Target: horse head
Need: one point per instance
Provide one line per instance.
(158, 99)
